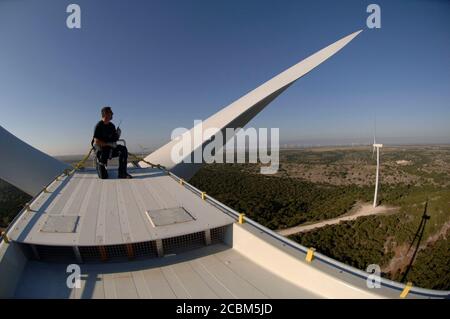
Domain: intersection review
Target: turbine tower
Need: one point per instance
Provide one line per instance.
(377, 177)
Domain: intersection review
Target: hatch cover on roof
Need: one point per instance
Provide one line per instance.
(60, 224)
(169, 216)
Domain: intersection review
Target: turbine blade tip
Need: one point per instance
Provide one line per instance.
(354, 34)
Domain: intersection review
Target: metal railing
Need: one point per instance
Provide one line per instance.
(26, 207)
(317, 256)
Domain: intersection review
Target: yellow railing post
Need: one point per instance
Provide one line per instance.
(310, 254)
(406, 290)
(181, 181)
(241, 218)
(203, 195)
(5, 237)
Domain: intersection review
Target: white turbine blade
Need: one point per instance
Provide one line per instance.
(24, 166)
(240, 112)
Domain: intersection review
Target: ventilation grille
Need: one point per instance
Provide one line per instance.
(218, 235)
(124, 251)
(90, 253)
(184, 242)
(145, 249)
(53, 253)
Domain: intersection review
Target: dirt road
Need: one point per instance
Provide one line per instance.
(358, 211)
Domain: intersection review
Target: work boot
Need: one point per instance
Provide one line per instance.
(126, 175)
(101, 171)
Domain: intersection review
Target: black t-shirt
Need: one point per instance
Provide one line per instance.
(106, 132)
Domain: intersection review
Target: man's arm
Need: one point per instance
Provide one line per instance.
(99, 142)
(116, 133)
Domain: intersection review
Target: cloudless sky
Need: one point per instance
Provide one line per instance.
(163, 64)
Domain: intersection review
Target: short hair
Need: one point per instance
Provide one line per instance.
(105, 110)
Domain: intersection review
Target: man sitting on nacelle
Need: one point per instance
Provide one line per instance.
(105, 142)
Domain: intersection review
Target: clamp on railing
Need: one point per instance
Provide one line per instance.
(406, 290)
(5, 237)
(310, 254)
(27, 207)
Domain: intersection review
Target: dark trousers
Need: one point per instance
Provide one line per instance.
(106, 153)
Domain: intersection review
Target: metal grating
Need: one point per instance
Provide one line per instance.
(89, 253)
(183, 243)
(218, 234)
(116, 251)
(146, 249)
(53, 253)
(124, 251)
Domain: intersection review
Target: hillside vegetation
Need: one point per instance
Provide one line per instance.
(405, 250)
(11, 202)
(412, 244)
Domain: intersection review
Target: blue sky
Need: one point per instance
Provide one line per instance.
(163, 64)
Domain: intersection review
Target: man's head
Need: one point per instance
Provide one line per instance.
(107, 114)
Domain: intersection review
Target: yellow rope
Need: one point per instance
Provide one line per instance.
(137, 158)
(77, 166)
(70, 171)
(74, 168)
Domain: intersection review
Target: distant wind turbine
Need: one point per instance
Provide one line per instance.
(377, 177)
